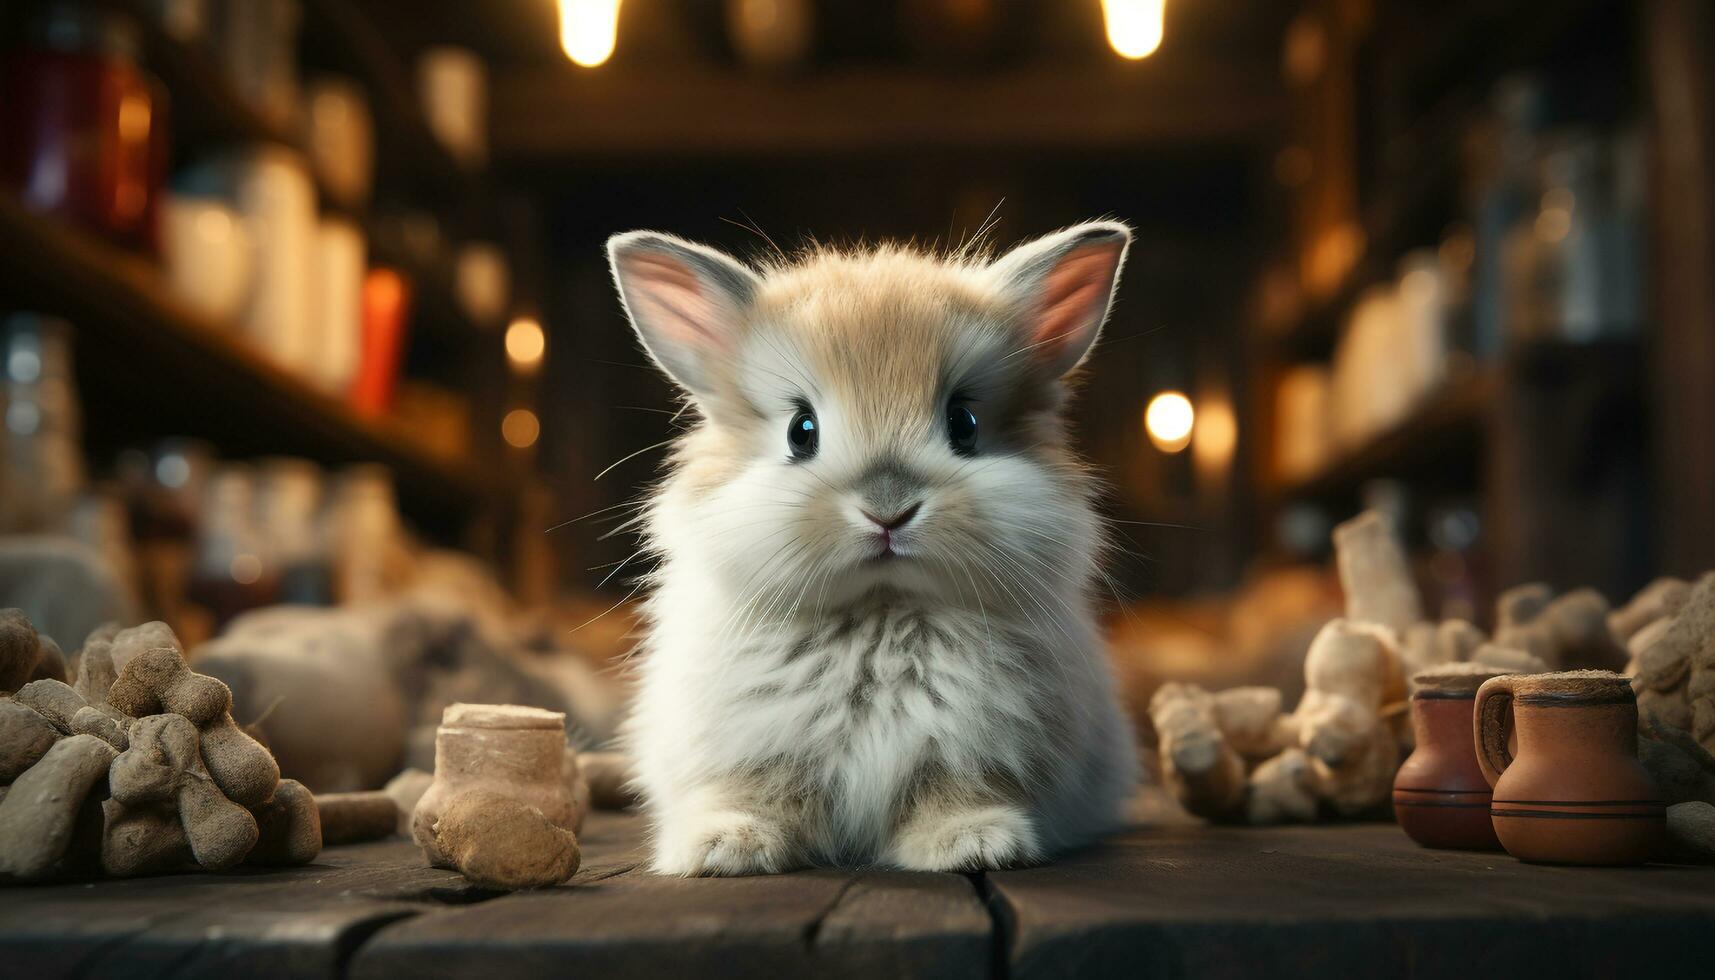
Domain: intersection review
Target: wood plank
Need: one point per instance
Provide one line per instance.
(616, 916)
(1343, 901)
(296, 922)
(561, 113)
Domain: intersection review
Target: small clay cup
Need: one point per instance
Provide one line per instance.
(506, 749)
(1440, 796)
(1574, 791)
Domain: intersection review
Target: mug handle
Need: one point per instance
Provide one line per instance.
(1491, 718)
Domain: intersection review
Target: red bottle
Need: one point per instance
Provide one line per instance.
(86, 134)
(386, 312)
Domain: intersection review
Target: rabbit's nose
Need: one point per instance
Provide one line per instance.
(888, 487)
(898, 520)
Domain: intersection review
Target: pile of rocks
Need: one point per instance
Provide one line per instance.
(122, 761)
(1237, 755)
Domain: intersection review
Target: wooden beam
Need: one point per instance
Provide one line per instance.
(567, 113)
(1679, 50)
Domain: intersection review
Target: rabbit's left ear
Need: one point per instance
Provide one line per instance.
(1063, 285)
(686, 301)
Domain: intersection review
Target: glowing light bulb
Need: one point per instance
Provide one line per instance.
(520, 428)
(1134, 26)
(1168, 420)
(589, 30)
(525, 343)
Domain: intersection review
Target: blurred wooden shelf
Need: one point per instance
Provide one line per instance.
(1443, 432)
(1415, 201)
(339, 35)
(560, 112)
(205, 111)
(149, 367)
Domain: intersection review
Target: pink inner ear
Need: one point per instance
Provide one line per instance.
(1073, 297)
(667, 299)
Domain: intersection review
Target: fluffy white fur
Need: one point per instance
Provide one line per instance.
(802, 701)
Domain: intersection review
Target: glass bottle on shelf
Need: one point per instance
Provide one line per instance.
(85, 125)
(288, 497)
(41, 454)
(230, 575)
(1504, 183)
(366, 537)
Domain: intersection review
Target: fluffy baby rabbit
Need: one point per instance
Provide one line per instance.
(871, 638)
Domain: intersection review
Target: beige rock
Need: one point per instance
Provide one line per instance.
(1251, 721)
(1356, 660)
(126, 644)
(143, 840)
(1458, 640)
(289, 827)
(90, 721)
(95, 671)
(157, 680)
(25, 736)
(1198, 767)
(500, 842)
(244, 770)
(1354, 767)
(53, 700)
(50, 660)
(348, 818)
(1682, 769)
(164, 767)
(1513, 661)
(20, 650)
(40, 813)
(1691, 832)
(1642, 640)
(1520, 604)
(1375, 575)
(1569, 632)
(1282, 790)
(1661, 599)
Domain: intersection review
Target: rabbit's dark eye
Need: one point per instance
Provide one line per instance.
(961, 428)
(803, 436)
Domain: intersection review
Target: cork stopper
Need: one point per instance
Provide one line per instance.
(1456, 680)
(506, 716)
(1603, 685)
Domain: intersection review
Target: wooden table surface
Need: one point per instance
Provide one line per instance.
(1322, 902)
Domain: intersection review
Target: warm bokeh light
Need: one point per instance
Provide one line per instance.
(1214, 436)
(525, 343)
(1134, 26)
(1168, 419)
(589, 30)
(520, 428)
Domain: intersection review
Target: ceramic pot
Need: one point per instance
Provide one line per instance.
(514, 751)
(1439, 795)
(1573, 792)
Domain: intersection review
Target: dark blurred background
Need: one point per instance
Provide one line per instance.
(1452, 260)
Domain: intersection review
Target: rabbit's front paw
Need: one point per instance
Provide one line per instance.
(725, 842)
(965, 840)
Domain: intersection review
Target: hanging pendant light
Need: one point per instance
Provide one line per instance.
(1134, 26)
(589, 30)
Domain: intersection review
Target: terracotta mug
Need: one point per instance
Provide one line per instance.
(1439, 795)
(1573, 792)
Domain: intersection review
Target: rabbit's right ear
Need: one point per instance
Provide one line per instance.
(685, 300)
